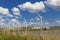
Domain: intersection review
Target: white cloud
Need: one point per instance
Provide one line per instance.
(13, 23)
(13, 20)
(16, 17)
(58, 21)
(16, 11)
(36, 7)
(11, 16)
(53, 3)
(31, 19)
(1, 17)
(46, 22)
(2, 23)
(4, 11)
(3, 20)
(31, 23)
(38, 18)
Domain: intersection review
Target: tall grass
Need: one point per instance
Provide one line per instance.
(14, 36)
(31, 35)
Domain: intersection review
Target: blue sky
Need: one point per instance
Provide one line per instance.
(51, 12)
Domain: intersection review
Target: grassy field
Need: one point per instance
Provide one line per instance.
(30, 35)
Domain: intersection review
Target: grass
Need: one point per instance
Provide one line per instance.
(14, 36)
(31, 35)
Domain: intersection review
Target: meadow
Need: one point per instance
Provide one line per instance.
(30, 35)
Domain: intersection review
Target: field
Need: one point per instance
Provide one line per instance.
(30, 35)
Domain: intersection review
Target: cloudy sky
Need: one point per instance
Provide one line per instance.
(18, 10)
